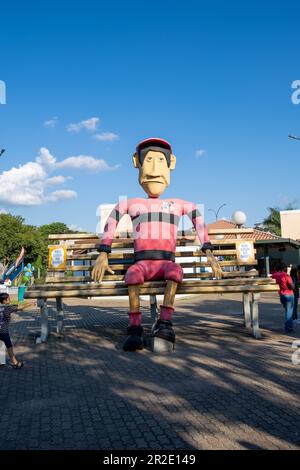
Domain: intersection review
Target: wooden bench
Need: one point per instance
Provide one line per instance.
(74, 279)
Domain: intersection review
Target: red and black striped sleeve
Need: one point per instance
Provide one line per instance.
(110, 227)
(197, 219)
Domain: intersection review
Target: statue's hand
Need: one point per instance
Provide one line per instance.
(217, 270)
(101, 266)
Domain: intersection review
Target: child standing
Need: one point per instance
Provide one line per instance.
(5, 314)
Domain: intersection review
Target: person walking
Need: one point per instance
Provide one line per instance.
(295, 279)
(286, 294)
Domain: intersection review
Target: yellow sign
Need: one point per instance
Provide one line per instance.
(245, 251)
(57, 257)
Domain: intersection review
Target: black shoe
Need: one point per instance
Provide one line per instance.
(163, 329)
(134, 339)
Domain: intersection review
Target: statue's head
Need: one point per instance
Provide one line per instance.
(154, 159)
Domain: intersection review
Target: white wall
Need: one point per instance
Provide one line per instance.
(290, 224)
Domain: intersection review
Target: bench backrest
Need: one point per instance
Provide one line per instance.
(81, 254)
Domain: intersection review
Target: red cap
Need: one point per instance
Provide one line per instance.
(154, 142)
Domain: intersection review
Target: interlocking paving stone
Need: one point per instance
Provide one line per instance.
(220, 389)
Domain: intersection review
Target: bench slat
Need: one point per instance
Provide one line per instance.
(211, 282)
(178, 254)
(179, 242)
(120, 277)
(114, 277)
(194, 264)
(120, 291)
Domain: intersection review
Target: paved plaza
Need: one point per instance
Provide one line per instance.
(220, 389)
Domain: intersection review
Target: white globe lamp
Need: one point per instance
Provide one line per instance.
(239, 218)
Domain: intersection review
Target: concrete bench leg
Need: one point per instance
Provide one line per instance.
(255, 315)
(42, 303)
(2, 354)
(59, 315)
(153, 308)
(247, 310)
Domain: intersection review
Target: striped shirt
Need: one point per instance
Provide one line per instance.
(5, 314)
(155, 224)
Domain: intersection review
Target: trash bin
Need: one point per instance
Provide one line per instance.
(21, 292)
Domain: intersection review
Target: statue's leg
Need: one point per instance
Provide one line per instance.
(170, 292)
(163, 333)
(135, 316)
(134, 340)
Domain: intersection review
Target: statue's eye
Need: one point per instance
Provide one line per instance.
(149, 159)
(161, 159)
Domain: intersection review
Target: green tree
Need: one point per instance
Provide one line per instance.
(14, 234)
(10, 239)
(272, 221)
(45, 231)
(54, 228)
(33, 243)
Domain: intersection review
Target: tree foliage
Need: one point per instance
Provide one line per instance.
(272, 221)
(44, 231)
(14, 234)
(10, 237)
(54, 228)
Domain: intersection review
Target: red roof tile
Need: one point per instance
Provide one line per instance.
(256, 235)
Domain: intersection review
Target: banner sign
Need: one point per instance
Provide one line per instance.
(245, 251)
(57, 257)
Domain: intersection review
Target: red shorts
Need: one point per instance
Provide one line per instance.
(153, 270)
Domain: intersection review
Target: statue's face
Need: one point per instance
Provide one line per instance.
(154, 175)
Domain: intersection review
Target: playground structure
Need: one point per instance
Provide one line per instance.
(10, 274)
(14, 270)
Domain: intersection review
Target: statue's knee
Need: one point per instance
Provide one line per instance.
(174, 273)
(134, 276)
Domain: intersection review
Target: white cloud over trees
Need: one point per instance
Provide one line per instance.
(30, 184)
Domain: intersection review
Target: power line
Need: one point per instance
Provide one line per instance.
(294, 137)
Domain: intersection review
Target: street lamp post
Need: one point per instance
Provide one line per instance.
(217, 212)
(239, 218)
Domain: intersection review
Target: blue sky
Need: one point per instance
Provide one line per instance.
(211, 76)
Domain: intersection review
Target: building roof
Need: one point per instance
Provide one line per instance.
(255, 235)
(259, 237)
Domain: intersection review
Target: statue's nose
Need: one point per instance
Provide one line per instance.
(154, 170)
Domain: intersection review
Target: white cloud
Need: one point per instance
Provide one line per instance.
(77, 228)
(88, 124)
(23, 185)
(57, 180)
(28, 184)
(106, 137)
(200, 153)
(51, 122)
(86, 162)
(45, 158)
(61, 194)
